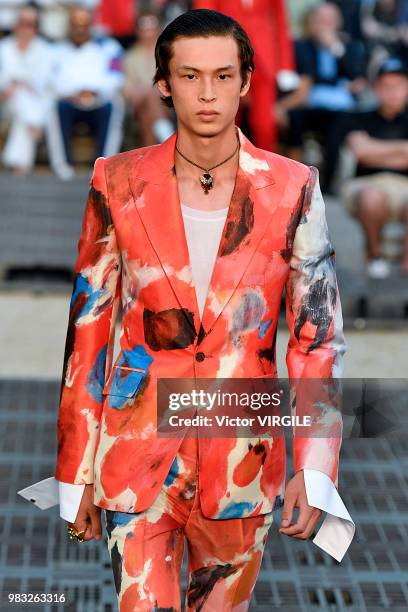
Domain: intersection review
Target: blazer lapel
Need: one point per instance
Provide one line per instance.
(249, 214)
(155, 191)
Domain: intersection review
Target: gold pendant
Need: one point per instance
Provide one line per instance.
(207, 182)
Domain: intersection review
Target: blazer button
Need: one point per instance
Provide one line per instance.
(200, 356)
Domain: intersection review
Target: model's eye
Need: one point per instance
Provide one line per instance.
(223, 76)
(189, 77)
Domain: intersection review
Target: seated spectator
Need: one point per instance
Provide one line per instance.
(379, 141)
(384, 24)
(87, 80)
(142, 97)
(25, 70)
(331, 69)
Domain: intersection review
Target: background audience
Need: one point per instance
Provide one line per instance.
(379, 141)
(331, 67)
(25, 80)
(87, 78)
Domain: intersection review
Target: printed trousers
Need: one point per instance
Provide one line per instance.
(146, 549)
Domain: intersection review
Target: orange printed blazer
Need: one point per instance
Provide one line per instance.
(133, 254)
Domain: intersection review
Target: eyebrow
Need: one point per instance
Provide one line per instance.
(184, 67)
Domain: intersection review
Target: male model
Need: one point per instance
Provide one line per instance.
(196, 238)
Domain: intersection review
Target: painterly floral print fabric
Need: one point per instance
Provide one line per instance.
(146, 549)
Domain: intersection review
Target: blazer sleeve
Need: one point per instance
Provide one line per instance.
(316, 343)
(89, 340)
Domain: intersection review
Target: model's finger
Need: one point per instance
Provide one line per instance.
(307, 532)
(287, 510)
(302, 520)
(96, 524)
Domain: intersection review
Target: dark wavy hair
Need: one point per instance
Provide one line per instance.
(201, 22)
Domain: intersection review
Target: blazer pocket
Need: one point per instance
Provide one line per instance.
(270, 375)
(128, 373)
(124, 381)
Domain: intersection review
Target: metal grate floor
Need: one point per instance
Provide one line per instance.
(37, 557)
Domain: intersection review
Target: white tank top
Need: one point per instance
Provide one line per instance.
(203, 232)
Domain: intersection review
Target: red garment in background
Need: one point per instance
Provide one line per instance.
(265, 22)
(118, 16)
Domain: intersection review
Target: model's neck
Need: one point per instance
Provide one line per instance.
(207, 151)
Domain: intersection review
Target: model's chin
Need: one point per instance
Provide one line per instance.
(210, 128)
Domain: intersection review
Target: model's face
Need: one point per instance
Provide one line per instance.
(205, 83)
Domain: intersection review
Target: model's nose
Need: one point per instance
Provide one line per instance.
(207, 92)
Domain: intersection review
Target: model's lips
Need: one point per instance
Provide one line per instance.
(208, 113)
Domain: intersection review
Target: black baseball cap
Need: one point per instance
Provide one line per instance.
(392, 65)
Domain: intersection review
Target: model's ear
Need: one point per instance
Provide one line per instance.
(164, 88)
(245, 86)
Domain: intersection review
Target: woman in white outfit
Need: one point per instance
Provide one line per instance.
(25, 69)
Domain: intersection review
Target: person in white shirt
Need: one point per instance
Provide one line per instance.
(25, 71)
(87, 79)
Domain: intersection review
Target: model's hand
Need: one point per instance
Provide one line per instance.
(89, 516)
(295, 496)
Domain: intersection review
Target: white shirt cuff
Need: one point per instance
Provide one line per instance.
(337, 530)
(50, 492)
(70, 496)
(334, 536)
